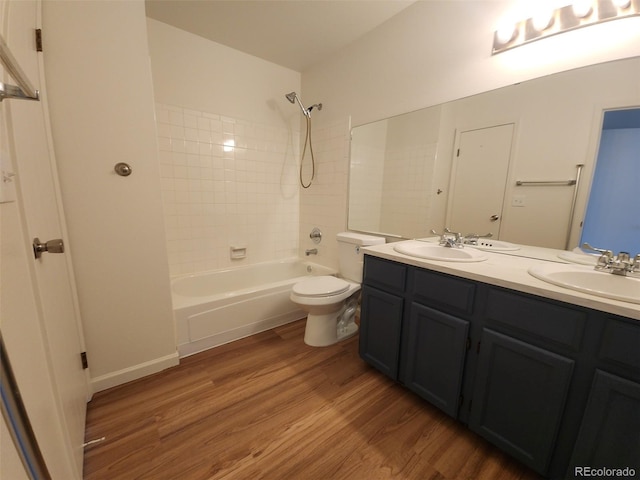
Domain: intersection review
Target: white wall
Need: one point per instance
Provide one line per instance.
(216, 197)
(102, 112)
(437, 51)
(192, 72)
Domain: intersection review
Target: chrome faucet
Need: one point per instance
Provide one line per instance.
(472, 238)
(449, 239)
(621, 264)
(311, 251)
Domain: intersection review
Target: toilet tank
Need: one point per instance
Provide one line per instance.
(350, 257)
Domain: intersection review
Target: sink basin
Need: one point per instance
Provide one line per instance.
(432, 251)
(495, 245)
(579, 257)
(587, 280)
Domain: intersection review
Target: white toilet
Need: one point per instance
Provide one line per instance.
(331, 302)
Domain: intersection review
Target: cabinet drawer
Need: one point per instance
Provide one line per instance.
(621, 344)
(546, 320)
(448, 293)
(385, 274)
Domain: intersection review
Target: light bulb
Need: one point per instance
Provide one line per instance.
(542, 20)
(505, 33)
(622, 3)
(581, 8)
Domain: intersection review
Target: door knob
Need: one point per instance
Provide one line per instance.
(52, 246)
(494, 218)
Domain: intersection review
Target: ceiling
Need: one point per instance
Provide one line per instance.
(291, 33)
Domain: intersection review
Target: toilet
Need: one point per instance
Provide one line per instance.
(331, 302)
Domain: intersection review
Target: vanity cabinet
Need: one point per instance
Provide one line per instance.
(609, 433)
(525, 363)
(436, 337)
(610, 430)
(434, 359)
(380, 330)
(553, 384)
(519, 397)
(382, 310)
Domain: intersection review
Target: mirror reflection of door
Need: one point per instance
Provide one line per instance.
(612, 220)
(479, 180)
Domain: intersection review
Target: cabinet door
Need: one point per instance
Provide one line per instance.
(433, 363)
(380, 322)
(610, 430)
(518, 397)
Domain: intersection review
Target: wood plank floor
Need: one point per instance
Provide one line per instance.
(270, 407)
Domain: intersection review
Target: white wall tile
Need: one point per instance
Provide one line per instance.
(214, 198)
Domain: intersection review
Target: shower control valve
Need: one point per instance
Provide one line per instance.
(316, 235)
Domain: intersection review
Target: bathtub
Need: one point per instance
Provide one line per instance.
(217, 307)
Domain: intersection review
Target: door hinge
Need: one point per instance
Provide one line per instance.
(38, 39)
(478, 347)
(85, 362)
(458, 153)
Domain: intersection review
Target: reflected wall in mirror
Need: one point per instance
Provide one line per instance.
(556, 121)
(391, 174)
(612, 219)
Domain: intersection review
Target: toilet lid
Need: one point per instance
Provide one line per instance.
(321, 286)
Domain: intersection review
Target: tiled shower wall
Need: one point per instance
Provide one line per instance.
(226, 183)
(324, 204)
(408, 190)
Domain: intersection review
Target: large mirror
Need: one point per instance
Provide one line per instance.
(516, 162)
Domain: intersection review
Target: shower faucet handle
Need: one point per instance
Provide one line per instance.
(316, 235)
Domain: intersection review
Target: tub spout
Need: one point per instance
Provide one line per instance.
(311, 251)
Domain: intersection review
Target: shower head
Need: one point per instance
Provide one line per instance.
(291, 97)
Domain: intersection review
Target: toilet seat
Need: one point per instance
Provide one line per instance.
(321, 286)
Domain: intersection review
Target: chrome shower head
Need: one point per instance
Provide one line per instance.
(291, 97)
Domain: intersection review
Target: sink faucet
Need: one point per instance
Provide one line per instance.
(472, 238)
(449, 239)
(621, 264)
(311, 251)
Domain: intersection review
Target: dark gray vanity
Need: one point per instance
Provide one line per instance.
(554, 384)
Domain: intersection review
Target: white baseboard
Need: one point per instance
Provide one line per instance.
(133, 373)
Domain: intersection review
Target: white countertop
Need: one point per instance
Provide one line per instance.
(510, 271)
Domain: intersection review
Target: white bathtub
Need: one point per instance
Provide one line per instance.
(220, 306)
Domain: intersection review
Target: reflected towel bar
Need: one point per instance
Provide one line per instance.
(559, 183)
(545, 183)
(24, 90)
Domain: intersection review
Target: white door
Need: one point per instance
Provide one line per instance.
(37, 212)
(479, 180)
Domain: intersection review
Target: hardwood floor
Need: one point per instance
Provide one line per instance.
(270, 407)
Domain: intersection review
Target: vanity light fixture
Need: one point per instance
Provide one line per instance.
(581, 13)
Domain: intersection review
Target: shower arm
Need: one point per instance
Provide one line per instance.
(304, 110)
